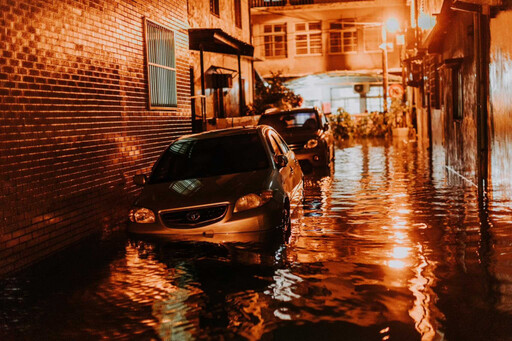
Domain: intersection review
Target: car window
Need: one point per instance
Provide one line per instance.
(274, 144)
(199, 158)
(291, 121)
(282, 144)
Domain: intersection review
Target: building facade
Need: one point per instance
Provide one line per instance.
(331, 51)
(91, 92)
(467, 91)
(221, 58)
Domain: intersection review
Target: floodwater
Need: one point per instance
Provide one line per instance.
(390, 246)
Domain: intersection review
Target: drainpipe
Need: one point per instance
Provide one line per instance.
(240, 92)
(201, 58)
(481, 25)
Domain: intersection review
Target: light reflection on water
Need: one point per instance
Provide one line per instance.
(383, 249)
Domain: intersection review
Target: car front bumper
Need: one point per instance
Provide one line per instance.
(233, 226)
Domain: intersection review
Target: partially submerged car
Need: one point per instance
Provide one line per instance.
(307, 133)
(219, 184)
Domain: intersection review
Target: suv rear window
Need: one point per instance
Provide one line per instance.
(291, 120)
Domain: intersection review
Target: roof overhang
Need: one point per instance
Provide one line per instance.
(217, 41)
(436, 37)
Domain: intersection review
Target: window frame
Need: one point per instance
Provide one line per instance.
(273, 34)
(308, 34)
(457, 78)
(148, 63)
(389, 46)
(237, 7)
(215, 7)
(341, 31)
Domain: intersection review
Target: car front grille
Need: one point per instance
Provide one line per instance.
(193, 217)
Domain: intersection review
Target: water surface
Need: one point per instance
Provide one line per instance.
(390, 245)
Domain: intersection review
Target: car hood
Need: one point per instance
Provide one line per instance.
(192, 192)
(293, 137)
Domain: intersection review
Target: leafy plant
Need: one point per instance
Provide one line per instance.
(342, 124)
(397, 112)
(374, 124)
(274, 94)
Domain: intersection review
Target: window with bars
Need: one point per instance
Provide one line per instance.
(161, 66)
(308, 38)
(275, 40)
(342, 37)
(238, 13)
(214, 7)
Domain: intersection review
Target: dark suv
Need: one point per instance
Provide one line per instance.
(306, 132)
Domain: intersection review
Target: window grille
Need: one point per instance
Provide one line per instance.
(275, 40)
(161, 66)
(308, 38)
(342, 37)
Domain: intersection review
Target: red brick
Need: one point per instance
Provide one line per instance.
(74, 123)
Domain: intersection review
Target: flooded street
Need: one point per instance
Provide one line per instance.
(390, 246)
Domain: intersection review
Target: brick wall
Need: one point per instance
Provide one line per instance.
(74, 123)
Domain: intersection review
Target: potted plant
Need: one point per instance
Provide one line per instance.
(398, 115)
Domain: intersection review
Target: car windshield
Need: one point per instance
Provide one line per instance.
(291, 121)
(199, 158)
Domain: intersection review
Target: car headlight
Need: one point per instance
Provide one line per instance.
(142, 216)
(252, 200)
(311, 144)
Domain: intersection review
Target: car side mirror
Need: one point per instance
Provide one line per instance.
(140, 179)
(326, 126)
(280, 160)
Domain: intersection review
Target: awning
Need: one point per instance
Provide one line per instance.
(216, 40)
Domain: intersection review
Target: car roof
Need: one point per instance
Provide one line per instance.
(221, 132)
(291, 111)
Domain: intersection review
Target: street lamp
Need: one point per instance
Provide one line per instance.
(391, 25)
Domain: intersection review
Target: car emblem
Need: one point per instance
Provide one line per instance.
(193, 216)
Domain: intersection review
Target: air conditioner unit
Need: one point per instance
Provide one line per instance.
(362, 88)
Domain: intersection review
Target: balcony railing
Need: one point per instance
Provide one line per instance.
(276, 3)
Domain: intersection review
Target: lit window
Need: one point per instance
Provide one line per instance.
(308, 38)
(161, 66)
(373, 39)
(342, 37)
(275, 40)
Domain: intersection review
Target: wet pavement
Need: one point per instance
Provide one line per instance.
(390, 246)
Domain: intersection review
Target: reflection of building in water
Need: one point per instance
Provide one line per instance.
(146, 281)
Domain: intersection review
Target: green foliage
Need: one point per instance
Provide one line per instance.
(374, 124)
(342, 124)
(397, 112)
(274, 95)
